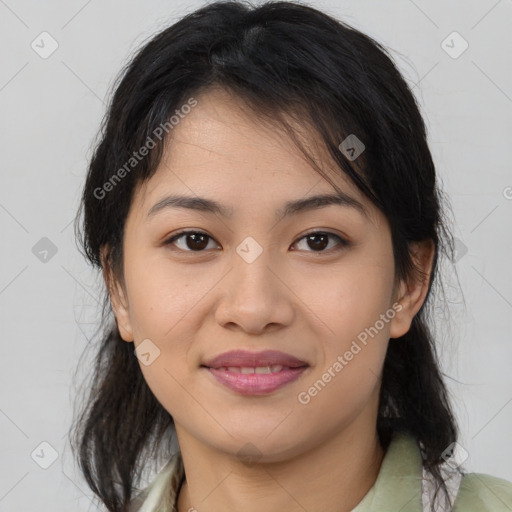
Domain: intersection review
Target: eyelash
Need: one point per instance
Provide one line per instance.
(342, 242)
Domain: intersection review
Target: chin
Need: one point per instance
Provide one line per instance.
(262, 445)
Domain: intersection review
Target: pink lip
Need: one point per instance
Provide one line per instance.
(255, 383)
(252, 359)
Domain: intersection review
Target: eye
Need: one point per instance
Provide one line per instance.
(318, 240)
(196, 241)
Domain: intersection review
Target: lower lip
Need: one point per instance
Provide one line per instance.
(256, 383)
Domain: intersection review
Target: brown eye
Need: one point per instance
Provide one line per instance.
(194, 241)
(319, 240)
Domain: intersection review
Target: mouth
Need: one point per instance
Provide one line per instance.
(255, 373)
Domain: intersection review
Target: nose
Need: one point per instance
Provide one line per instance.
(254, 296)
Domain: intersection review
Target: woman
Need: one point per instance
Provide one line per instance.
(263, 205)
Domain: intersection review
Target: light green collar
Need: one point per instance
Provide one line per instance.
(398, 485)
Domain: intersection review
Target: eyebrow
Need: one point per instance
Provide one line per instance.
(203, 204)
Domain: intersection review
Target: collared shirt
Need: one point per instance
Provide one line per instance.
(402, 485)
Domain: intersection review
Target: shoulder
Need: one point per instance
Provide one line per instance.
(483, 493)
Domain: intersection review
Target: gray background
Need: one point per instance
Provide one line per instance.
(50, 112)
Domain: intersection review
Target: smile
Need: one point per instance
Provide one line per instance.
(255, 373)
(259, 380)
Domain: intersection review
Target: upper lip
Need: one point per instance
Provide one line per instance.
(242, 358)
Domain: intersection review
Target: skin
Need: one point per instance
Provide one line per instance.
(323, 455)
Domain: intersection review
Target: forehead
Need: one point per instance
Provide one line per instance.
(222, 129)
(221, 149)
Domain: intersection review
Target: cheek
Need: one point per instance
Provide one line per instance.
(162, 295)
(164, 304)
(352, 299)
(355, 349)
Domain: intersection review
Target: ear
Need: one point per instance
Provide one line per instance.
(117, 297)
(411, 295)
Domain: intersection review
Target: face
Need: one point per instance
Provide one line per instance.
(316, 284)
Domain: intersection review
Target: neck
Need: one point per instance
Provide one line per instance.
(333, 477)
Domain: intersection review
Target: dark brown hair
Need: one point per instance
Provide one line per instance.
(282, 59)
